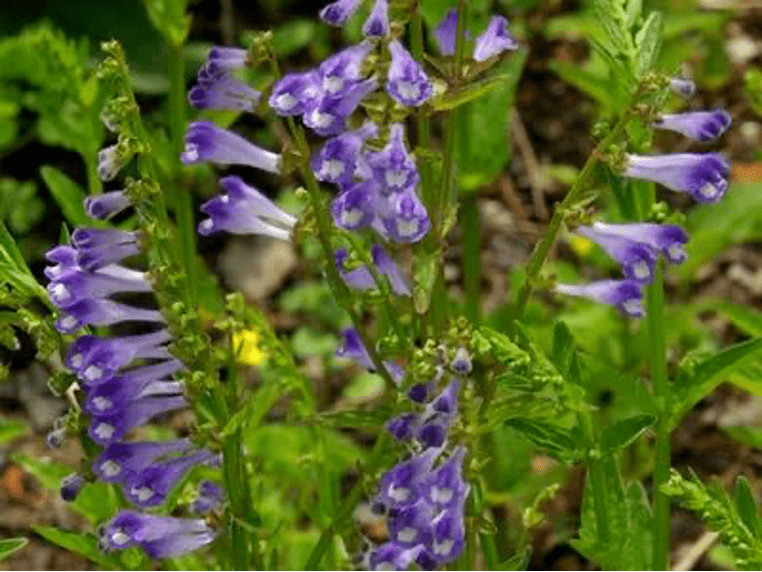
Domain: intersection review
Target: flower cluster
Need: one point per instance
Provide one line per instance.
(636, 246)
(423, 501)
(127, 381)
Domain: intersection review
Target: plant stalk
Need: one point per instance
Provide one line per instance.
(661, 388)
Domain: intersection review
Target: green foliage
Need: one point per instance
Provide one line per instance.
(10, 430)
(629, 524)
(736, 520)
(170, 19)
(10, 545)
(68, 194)
(20, 207)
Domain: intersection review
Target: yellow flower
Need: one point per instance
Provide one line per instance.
(246, 344)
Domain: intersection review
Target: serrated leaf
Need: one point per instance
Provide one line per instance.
(612, 18)
(557, 441)
(691, 388)
(747, 508)
(10, 545)
(170, 19)
(68, 194)
(648, 42)
(623, 433)
(83, 544)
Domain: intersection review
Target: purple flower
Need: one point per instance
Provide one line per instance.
(358, 278)
(223, 92)
(444, 487)
(337, 160)
(206, 142)
(411, 525)
(352, 347)
(404, 218)
(93, 358)
(407, 83)
(624, 294)
(393, 556)
(447, 401)
(209, 497)
(340, 72)
(221, 60)
(698, 125)
(461, 363)
(244, 210)
(403, 426)
(110, 162)
(120, 462)
(106, 205)
(704, 176)
(107, 429)
(337, 13)
(103, 312)
(432, 433)
(400, 485)
(64, 256)
(446, 33)
(330, 115)
(377, 24)
(71, 485)
(75, 285)
(296, 93)
(682, 86)
(389, 268)
(495, 40)
(100, 247)
(159, 536)
(637, 259)
(354, 208)
(449, 535)
(668, 239)
(151, 486)
(113, 394)
(393, 167)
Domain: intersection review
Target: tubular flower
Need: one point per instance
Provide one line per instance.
(407, 83)
(206, 142)
(698, 125)
(244, 210)
(341, 72)
(223, 92)
(625, 295)
(296, 93)
(446, 33)
(339, 12)
(682, 86)
(338, 160)
(159, 536)
(704, 176)
(495, 40)
(377, 24)
(106, 205)
(637, 259)
(669, 239)
(361, 278)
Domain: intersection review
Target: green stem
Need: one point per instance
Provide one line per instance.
(540, 253)
(661, 388)
(183, 199)
(470, 226)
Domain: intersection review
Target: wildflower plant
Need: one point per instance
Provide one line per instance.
(382, 140)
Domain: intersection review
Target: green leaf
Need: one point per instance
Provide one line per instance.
(557, 441)
(648, 42)
(701, 378)
(292, 36)
(743, 317)
(170, 19)
(623, 433)
(83, 544)
(450, 100)
(10, 430)
(747, 509)
(68, 194)
(483, 144)
(10, 545)
(585, 81)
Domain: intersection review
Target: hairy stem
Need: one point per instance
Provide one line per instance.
(661, 388)
(541, 250)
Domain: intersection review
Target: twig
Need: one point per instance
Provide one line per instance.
(533, 166)
(697, 550)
